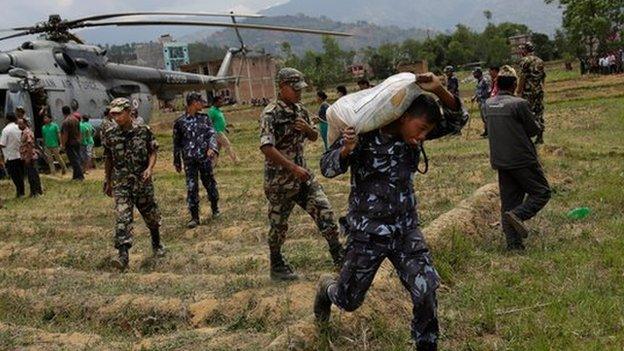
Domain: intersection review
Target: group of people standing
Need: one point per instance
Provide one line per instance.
(530, 86)
(22, 153)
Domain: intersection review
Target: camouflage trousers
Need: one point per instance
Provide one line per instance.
(203, 169)
(536, 103)
(310, 198)
(127, 196)
(410, 257)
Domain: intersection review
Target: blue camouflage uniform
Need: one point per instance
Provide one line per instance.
(193, 136)
(382, 222)
(482, 93)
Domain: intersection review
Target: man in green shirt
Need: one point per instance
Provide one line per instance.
(86, 147)
(220, 125)
(51, 142)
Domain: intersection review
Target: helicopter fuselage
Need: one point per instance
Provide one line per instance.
(51, 74)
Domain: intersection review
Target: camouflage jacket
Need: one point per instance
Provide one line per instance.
(129, 151)
(532, 70)
(277, 128)
(193, 136)
(104, 127)
(382, 199)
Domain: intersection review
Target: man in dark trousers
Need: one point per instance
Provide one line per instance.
(195, 144)
(524, 189)
(71, 140)
(382, 221)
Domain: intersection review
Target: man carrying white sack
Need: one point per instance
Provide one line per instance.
(382, 221)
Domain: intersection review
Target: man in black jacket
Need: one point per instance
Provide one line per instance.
(511, 124)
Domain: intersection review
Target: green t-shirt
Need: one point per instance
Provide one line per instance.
(50, 134)
(217, 118)
(86, 130)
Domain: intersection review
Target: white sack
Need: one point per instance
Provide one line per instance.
(373, 108)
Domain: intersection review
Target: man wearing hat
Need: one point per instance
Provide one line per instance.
(130, 155)
(531, 84)
(284, 126)
(195, 146)
(524, 189)
(452, 83)
(482, 93)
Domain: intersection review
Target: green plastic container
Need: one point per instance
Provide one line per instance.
(579, 213)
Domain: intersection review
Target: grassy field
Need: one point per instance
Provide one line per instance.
(212, 292)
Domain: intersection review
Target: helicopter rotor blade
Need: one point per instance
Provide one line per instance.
(240, 38)
(215, 24)
(20, 34)
(161, 13)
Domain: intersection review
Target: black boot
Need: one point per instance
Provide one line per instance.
(215, 209)
(194, 221)
(517, 223)
(157, 248)
(337, 252)
(426, 346)
(280, 270)
(121, 262)
(322, 302)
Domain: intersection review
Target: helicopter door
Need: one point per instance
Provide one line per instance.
(18, 98)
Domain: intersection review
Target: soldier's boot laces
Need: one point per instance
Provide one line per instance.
(322, 302)
(337, 252)
(280, 270)
(122, 260)
(157, 248)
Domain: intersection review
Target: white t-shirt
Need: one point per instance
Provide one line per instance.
(11, 139)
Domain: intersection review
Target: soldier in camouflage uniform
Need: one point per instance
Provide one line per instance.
(382, 221)
(195, 143)
(130, 152)
(284, 126)
(531, 85)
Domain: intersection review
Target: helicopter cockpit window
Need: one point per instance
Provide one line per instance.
(64, 61)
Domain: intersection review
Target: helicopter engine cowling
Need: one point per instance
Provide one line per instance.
(5, 62)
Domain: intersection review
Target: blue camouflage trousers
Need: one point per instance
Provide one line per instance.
(410, 257)
(203, 169)
(128, 195)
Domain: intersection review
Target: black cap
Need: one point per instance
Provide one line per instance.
(192, 97)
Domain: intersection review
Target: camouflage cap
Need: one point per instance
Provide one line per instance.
(528, 46)
(291, 76)
(449, 69)
(118, 105)
(507, 71)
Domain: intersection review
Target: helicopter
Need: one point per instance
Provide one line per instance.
(59, 69)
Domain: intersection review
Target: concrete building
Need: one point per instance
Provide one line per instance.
(256, 77)
(150, 55)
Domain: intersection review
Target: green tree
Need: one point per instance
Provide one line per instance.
(592, 23)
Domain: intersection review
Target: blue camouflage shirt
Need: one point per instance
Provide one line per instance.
(482, 92)
(193, 136)
(382, 199)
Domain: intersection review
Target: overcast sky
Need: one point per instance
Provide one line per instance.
(24, 12)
